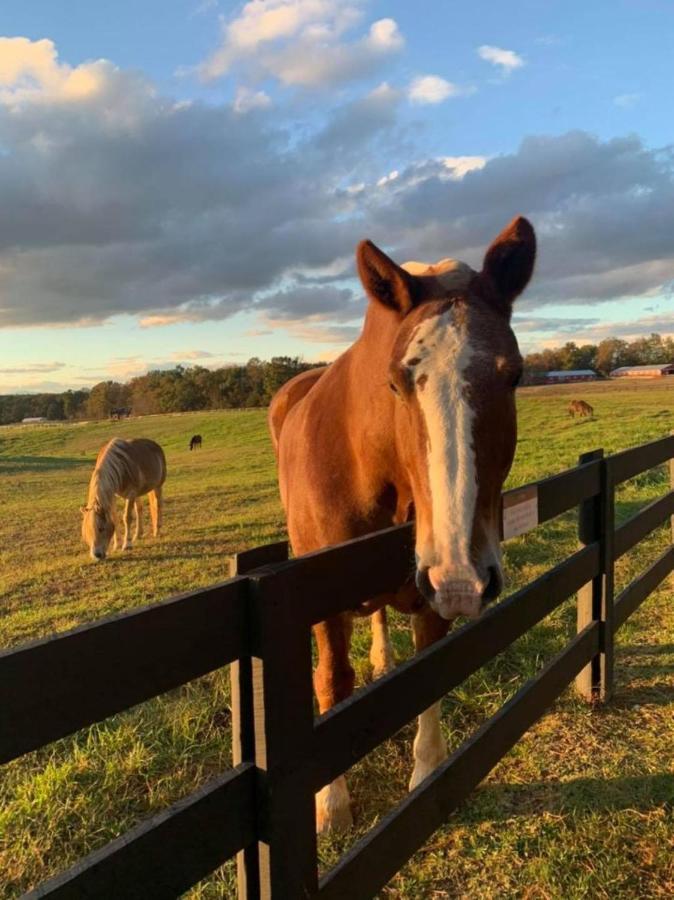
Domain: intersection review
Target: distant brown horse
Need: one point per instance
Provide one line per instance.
(195, 441)
(416, 419)
(125, 469)
(580, 407)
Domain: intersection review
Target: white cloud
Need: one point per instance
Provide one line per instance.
(429, 89)
(32, 367)
(247, 99)
(627, 101)
(459, 166)
(301, 43)
(506, 60)
(30, 71)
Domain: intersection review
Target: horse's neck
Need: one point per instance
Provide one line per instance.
(103, 485)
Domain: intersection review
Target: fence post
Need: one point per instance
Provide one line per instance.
(246, 703)
(595, 599)
(671, 484)
(284, 722)
(589, 596)
(606, 665)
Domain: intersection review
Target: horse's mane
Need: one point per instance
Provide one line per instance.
(113, 467)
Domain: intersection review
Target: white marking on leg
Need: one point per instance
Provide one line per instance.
(381, 652)
(430, 748)
(333, 807)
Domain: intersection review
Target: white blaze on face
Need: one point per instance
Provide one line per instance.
(439, 353)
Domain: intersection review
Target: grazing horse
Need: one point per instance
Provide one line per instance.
(415, 420)
(125, 469)
(195, 441)
(580, 407)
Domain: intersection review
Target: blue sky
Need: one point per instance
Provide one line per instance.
(186, 181)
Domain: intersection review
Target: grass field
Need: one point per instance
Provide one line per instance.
(582, 807)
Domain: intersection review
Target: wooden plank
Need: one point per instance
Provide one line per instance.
(374, 859)
(322, 584)
(163, 857)
(642, 523)
(53, 687)
(244, 681)
(588, 607)
(355, 727)
(283, 716)
(639, 459)
(635, 594)
(255, 557)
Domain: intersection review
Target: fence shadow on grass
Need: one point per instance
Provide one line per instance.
(580, 795)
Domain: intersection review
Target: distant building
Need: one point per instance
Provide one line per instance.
(659, 370)
(34, 420)
(565, 376)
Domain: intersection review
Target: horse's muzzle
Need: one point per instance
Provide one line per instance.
(460, 597)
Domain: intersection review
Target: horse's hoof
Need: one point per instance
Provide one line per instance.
(423, 770)
(381, 664)
(333, 807)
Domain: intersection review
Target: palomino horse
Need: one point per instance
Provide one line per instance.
(125, 469)
(416, 419)
(195, 441)
(581, 407)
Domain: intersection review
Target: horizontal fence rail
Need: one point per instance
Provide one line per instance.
(640, 459)
(166, 855)
(259, 621)
(55, 686)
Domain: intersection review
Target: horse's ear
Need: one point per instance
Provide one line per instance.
(509, 262)
(385, 281)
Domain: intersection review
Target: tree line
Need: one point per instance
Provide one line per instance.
(181, 389)
(186, 388)
(609, 354)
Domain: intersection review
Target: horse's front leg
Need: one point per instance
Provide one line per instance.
(333, 681)
(138, 530)
(381, 651)
(430, 748)
(128, 514)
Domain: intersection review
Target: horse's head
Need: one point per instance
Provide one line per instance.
(98, 528)
(454, 367)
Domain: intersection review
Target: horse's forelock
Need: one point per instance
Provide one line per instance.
(451, 274)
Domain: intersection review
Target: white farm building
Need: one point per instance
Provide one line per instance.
(659, 370)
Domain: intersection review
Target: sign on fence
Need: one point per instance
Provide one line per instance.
(520, 511)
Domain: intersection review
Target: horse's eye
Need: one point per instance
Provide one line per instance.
(393, 387)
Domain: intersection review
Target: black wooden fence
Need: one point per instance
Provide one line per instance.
(260, 622)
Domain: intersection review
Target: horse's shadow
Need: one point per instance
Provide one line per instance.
(14, 465)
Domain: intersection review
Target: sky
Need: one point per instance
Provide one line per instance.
(185, 181)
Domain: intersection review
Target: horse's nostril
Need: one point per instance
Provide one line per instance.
(493, 587)
(424, 585)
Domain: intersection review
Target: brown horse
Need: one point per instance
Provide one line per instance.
(125, 469)
(580, 407)
(416, 419)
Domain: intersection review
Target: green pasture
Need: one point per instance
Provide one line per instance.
(582, 807)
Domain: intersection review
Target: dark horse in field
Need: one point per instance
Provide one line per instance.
(415, 420)
(581, 407)
(195, 441)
